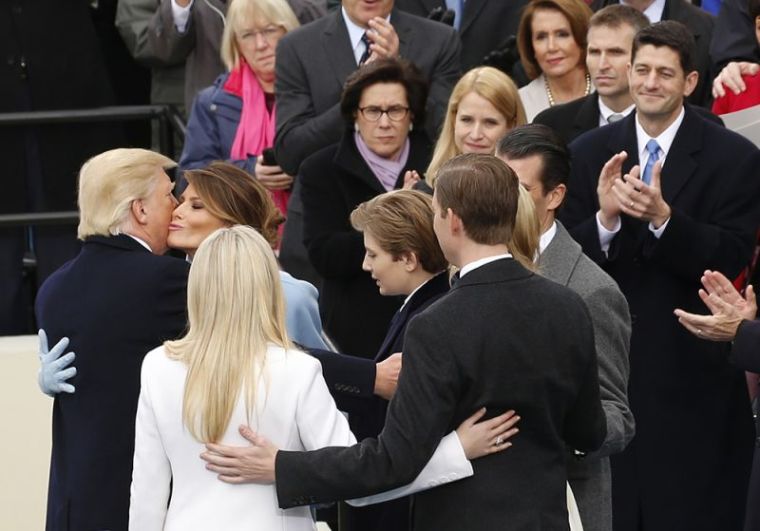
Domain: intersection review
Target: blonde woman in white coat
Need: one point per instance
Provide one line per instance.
(236, 367)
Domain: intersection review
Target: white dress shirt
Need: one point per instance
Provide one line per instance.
(605, 112)
(481, 262)
(653, 12)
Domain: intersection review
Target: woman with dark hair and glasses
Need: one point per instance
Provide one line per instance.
(383, 105)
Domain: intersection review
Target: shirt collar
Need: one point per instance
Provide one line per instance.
(654, 11)
(479, 263)
(547, 237)
(605, 112)
(665, 140)
(141, 242)
(409, 297)
(355, 33)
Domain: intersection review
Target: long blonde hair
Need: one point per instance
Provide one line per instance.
(488, 83)
(235, 307)
(526, 236)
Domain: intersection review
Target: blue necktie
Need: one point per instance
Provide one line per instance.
(654, 154)
(367, 51)
(456, 7)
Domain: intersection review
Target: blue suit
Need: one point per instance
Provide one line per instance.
(115, 301)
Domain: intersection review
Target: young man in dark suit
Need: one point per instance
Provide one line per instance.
(542, 164)
(655, 202)
(608, 52)
(503, 338)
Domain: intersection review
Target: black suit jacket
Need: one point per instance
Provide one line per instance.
(485, 24)
(502, 338)
(335, 180)
(700, 23)
(669, 474)
(351, 382)
(314, 61)
(115, 301)
(572, 119)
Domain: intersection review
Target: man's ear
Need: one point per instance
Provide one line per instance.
(556, 197)
(454, 221)
(691, 83)
(410, 260)
(138, 211)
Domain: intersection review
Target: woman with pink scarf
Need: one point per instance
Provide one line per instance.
(234, 119)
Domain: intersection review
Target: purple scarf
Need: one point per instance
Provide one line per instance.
(386, 170)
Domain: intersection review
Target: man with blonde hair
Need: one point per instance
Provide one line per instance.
(116, 300)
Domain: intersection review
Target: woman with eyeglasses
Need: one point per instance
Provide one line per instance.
(383, 106)
(234, 119)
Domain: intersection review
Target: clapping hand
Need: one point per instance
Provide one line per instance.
(727, 306)
(53, 372)
(640, 200)
(385, 43)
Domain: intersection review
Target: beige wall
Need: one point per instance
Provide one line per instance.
(25, 436)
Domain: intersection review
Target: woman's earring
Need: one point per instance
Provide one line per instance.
(356, 126)
(411, 127)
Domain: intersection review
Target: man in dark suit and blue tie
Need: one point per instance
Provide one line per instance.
(656, 199)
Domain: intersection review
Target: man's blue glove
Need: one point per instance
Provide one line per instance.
(53, 368)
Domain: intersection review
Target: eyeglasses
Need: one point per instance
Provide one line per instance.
(269, 34)
(373, 114)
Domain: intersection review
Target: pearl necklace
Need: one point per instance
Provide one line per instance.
(551, 96)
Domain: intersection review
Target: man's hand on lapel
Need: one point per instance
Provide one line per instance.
(234, 464)
(641, 201)
(385, 43)
(386, 376)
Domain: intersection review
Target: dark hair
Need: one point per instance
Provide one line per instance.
(402, 222)
(483, 191)
(615, 15)
(385, 71)
(753, 8)
(577, 14)
(236, 197)
(535, 139)
(670, 34)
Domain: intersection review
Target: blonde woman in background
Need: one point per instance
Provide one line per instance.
(236, 366)
(483, 107)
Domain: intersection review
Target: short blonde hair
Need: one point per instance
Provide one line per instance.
(109, 182)
(235, 307)
(239, 12)
(488, 83)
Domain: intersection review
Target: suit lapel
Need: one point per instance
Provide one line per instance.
(680, 164)
(472, 9)
(435, 287)
(588, 115)
(404, 30)
(337, 48)
(623, 137)
(558, 260)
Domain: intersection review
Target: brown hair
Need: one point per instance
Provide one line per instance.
(615, 15)
(385, 71)
(483, 191)
(669, 34)
(236, 197)
(577, 14)
(402, 222)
